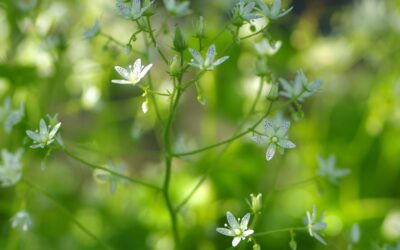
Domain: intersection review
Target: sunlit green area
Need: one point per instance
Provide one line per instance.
(54, 59)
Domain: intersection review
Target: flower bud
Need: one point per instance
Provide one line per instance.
(179, 41)
(174, 66)
(127, 49)
(261, 67)
(200, 28)
(256, 203)
(273, 92)
(256, 247)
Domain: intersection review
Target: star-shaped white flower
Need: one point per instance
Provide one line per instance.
(315, 226)
(208, 63)
(45, 135)
(236, 229)
(21, 220)
(133, 74)
(10, 168)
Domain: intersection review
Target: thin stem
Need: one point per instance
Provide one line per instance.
(227, 142)
(68, 214)
(280, 231)
(112, 39)
(94, 166)
(298, 183)
(153, 39)
(190, 82)
(168, 162)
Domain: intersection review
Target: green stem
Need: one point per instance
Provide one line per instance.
(208, 171)
(298, 183)
(153, 39)
(168, 162)
(94, 166)
(280, 231)
(68, 214)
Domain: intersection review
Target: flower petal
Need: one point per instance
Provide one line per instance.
(248, 232)
(236, 241)
(225, 231)
(54, 130)
(245, 221)
(122, 72)
(270, 151)
(220, 60)
(283, 128)
(34, 136)
(211, 52)
(286, 144)
(137, 67)
(233, 223)
(121, 81)
(196, 56)
(145, 70)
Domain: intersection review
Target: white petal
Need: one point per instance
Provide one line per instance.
(211, 52)
(196, 56)
(245, 221)
(137, 66)
(122, 72)
(34, 136)
(232, 220)
(286, 144)
(248, 232)
(220, 60)
(121, 81)
(283, 128)
(54, 130)
(43, 129)
(225, 231)
(145, 70)
(236, 241)
(270, 151)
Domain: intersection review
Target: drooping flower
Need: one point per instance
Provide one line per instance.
(45, 136)
(265, 48)
(10, 168)
(327, 169)
(273, 12)
(238, 229)
(133, 74)
(301, 88)
(132, 10)
(242, 12)
(314, 226)
(275, 137)
(21, 220)
(209, 63)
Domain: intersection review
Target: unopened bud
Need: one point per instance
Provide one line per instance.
(179, 41)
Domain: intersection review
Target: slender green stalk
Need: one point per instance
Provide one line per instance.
(298, 183)
(103, 244)
(153, 39)
(94, 166)
(227, 142)
(280, 231)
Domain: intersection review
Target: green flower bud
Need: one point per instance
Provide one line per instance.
(255, 203)
(179, 41)
(273, 92)
(256, 247)
(174, 66)
(261, 67)
(200, 30)
(127, 49)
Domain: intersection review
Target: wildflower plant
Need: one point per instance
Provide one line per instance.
(178, 61)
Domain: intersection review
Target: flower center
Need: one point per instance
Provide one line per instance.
(274, 139)
(237, 231)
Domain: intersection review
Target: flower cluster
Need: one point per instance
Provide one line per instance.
(10, 168)
(208, 63)
(327, 169)
(45, 136)
(275, 137)
(238, 229)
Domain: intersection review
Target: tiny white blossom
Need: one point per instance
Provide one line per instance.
(265, 48)
(236, 229)
(177, 9)
(10, 168)
(209, 63)
(21, 220)
(327, 169)
(133, 74)
(314, 226)
(301, 88)
(275, 137)
(242, 12)
(273, 12)
(9, 116)
(45, 135)
(132, 10)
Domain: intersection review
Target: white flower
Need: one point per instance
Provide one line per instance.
(242, 12)
(273, 12)
(300, 88)
(177, 9)
(328, 170)
(10, 117)
(275, 136)
(265, 48)
(44, 136)
(314, 226)
(133, 74)
(11, 168)
(209, 63)
(236, 229)
(132, 10)
(21, 219)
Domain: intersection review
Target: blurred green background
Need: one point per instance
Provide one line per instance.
(353, 46)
